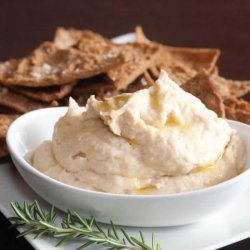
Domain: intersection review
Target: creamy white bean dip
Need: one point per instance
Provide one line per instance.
(154, 141)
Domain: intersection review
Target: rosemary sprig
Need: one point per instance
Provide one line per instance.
(73, 226)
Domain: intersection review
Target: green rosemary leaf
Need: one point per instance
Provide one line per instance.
(127, 237)
(141, 244)
(115, 243)
(17, 224)
(31, 209)
(64, 239)
(158, 247)
(113, 248)
(88, 243)
(142, 237)
(153, 241)
(99, 228)
(14, 219)
(79, 229)
(114, 230)
(26, 232)
(91, 221)
(27, 211)
(61, 235)
(155, 245)
(68, 221)
(109, 232)
(39, 211)
(18, 212)
(52, 215)
(80, 219)
(46, 224)
(41, 233)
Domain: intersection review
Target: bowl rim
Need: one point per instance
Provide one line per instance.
(28, 167)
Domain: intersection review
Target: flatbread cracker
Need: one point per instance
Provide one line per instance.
(49, 65)
(45, 94)
(235, 103)
(93, 86)
(238, 109)
(178, 74)
(67, 38)
(5, 121)
(136, 56)
(6, 110)
(19, 102)
(231, 88)
(202, 86)
(86, 41)
(142, 82)
(191, 59)
(148, 78)
(215, 70)
(3, 149)
(140, 36)
(137, 59)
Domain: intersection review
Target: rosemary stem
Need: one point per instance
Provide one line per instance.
(38, 222)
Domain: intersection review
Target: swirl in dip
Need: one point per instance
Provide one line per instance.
(155, 141)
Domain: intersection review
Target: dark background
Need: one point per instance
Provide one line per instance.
(194, 23)
(208, 23)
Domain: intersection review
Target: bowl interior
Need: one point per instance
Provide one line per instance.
(31, 129)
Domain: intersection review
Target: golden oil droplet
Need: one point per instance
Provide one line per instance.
(240, 170)
(154, 100)
(173, 121)
(120, 100)
(103, 107)
(203, 169)
(132, 143)
(144, 190)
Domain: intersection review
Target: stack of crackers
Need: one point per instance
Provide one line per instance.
(82, 63)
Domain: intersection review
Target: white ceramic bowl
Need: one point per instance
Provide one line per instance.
(28, 131)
